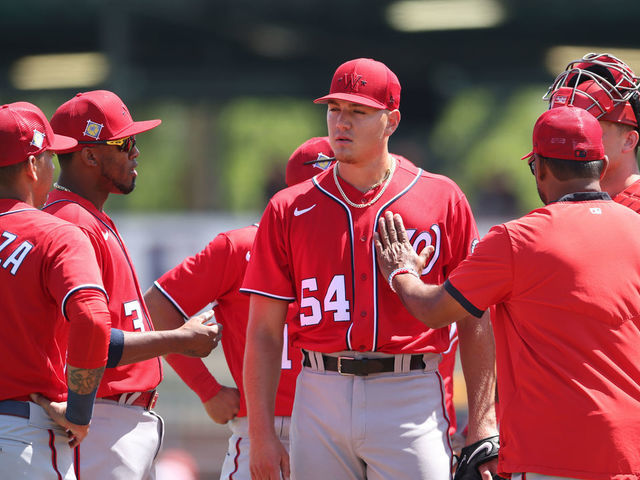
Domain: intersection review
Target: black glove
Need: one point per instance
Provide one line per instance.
(474, 455)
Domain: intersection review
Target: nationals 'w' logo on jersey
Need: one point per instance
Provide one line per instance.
(423, 239)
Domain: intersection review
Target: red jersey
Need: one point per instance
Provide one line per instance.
(630, 197)
(215, 275)
(126, 305)
(565, 280)
(43, 260)
(315, 249)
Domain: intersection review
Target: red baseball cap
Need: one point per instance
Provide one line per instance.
(366, 82)
(568, 133)
(309, 159)
(97, 115)
(25, 131)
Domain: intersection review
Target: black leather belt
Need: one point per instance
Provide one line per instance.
(15, 408)
(363, 366)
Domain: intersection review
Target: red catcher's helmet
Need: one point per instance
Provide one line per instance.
(601, 84)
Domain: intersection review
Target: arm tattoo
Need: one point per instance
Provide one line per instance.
(82, 380)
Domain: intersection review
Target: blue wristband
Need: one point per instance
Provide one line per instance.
(116, 346)
(80, 407)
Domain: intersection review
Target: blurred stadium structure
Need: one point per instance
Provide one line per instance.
(233, 82)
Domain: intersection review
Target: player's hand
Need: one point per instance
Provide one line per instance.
(200, 335)
(57, 410)
(268, 459)
(393, 248)
(224, 405)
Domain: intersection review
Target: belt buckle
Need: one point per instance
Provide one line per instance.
(340, 365)
(152, 400)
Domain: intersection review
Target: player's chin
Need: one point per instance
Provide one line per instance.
(125, 189)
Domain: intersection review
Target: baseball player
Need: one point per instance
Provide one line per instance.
(214, 276)
(316, 153)
(607, 88)
(369, 402)
(54, 312)
(567, 321)
(127, 434)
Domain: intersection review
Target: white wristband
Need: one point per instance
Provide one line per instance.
(399, 271)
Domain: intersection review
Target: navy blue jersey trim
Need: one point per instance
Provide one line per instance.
(584, 197)
(375, 259)
(353, 267)
(467, 305)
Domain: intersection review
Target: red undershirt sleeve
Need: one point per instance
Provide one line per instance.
(89, 329)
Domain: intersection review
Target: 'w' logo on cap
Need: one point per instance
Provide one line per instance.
(352, 82)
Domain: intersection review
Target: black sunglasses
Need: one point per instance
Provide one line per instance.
(124, 144)
(532, 167)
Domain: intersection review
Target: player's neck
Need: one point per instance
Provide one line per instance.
(365, 176)
(82, 188)
(620, 176)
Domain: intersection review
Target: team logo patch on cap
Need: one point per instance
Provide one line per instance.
(38, 138)
(322, 162)
(352, 82)
(560, 100)
(93, 129)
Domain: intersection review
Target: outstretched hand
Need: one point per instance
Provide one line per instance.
(393, 248)
(57, 411)
(202, 335)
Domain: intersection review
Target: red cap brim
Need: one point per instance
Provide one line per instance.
(350, 97)
(62, 143)
(528, 155)
(136, 128)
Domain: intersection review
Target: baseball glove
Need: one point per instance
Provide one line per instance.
(474, 455)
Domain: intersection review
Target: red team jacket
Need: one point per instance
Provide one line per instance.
(215, 275)
(568, 369)
(43, 260)
(314, 249)
(126, 304)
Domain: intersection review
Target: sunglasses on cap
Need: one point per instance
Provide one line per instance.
(123, 144)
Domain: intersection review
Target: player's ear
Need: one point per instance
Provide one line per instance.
(605, 165)
(393, 120)
(31, 168)
(88, 157)
(631, 140)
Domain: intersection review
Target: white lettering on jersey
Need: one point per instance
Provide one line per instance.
(595, 211)
(134, 307)
(286, 361)
(335, 300)
(17, 256)
(316, 311)
(10, 237)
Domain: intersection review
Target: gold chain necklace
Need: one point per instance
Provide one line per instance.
(388, 176)
(60, 187)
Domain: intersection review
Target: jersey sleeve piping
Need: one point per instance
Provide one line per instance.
(466, 304)
(170, 298)
(88, 286)
(265, 294)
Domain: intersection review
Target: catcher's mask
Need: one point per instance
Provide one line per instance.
(601, 84)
